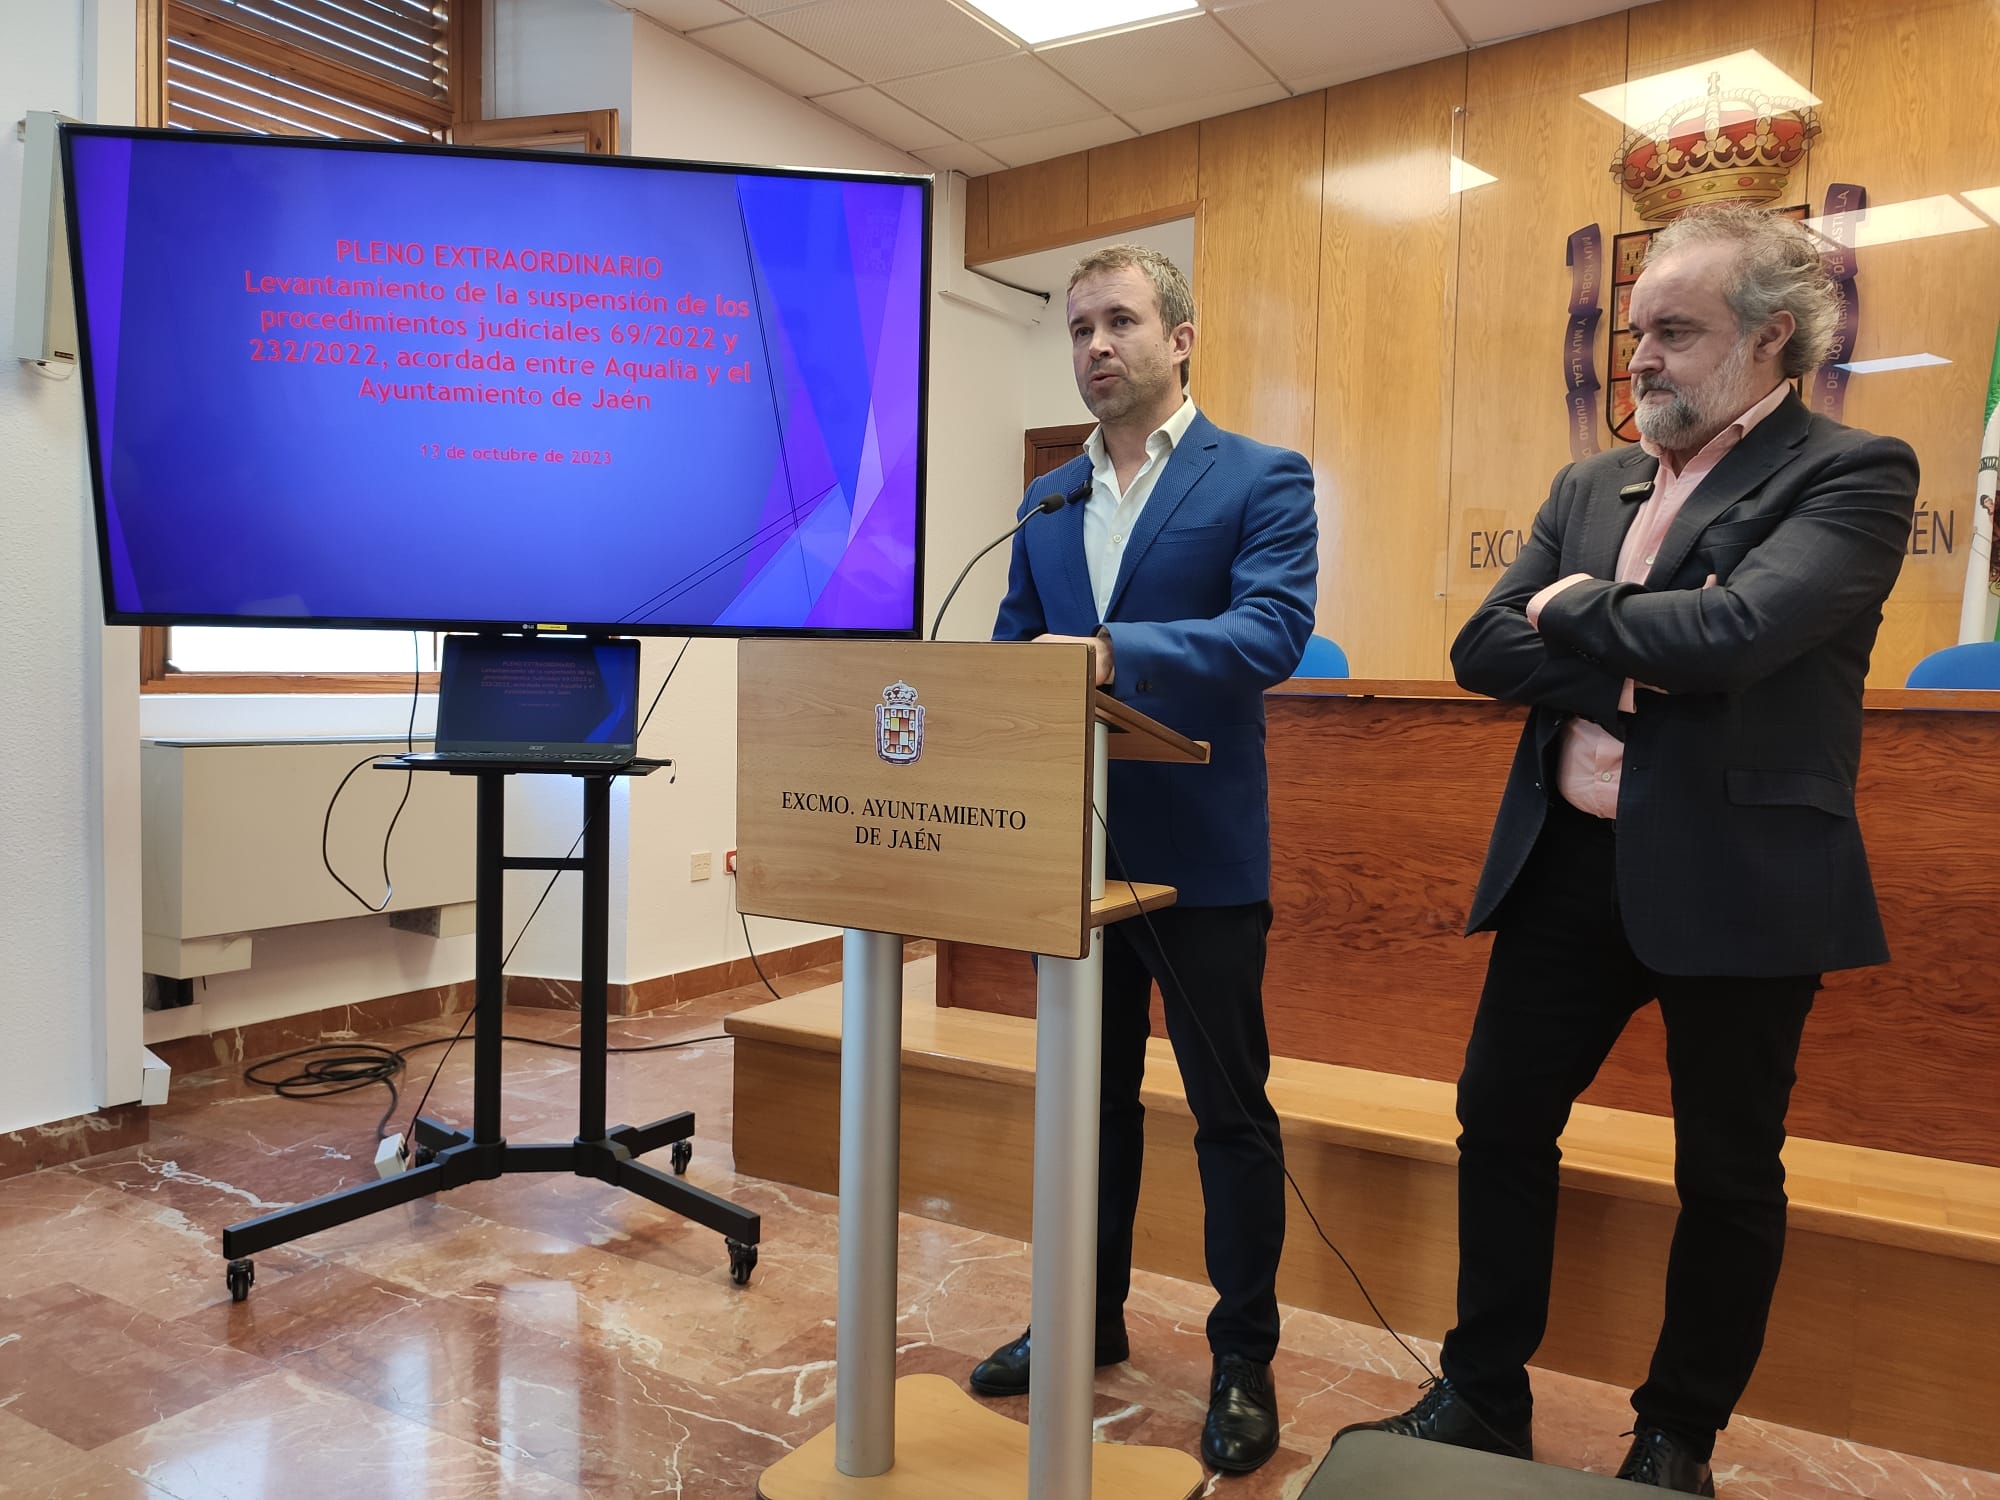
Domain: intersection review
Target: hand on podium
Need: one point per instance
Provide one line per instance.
(1102, 664)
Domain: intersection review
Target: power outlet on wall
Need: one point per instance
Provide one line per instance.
(699, 865)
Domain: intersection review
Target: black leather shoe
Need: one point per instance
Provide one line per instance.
(1444, 1416)
(1004, 1372)
(1242, 1427)
(1662, 1460)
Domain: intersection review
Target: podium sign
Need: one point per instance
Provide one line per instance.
(930, 789)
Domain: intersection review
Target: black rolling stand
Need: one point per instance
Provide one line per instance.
(447, 1158)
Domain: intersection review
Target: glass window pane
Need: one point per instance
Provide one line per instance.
(229, 648)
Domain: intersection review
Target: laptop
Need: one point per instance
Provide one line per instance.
(519, 703)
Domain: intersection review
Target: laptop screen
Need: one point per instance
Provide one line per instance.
(497, 693)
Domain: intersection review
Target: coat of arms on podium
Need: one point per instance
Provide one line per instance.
(899, 724)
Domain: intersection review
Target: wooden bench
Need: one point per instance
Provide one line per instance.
(1887, 1316)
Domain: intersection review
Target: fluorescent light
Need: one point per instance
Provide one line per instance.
(1886, 223)
(1643, 102)
(1896, 362)
(1986, 200)
(1038, 21)
(1465, 175)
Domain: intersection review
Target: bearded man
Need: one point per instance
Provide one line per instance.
(1690, 624)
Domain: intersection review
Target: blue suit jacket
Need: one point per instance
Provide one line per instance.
(1213, 604)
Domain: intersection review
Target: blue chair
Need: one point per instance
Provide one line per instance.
(1323, 658)
(1973, 665)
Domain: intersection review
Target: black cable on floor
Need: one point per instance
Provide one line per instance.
(333, 1068)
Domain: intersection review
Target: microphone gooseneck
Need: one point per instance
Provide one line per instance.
(1048, 505)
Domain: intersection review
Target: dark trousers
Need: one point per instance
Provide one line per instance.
(1218, 954)
(1560, 985)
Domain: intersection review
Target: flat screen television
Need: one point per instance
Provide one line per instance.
(329, 383)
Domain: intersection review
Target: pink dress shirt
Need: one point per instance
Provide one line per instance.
(1591, 760)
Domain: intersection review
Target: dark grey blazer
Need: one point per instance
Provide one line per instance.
(1738, 851)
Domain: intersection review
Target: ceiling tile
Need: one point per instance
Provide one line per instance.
(773, 57)
(1309, 44)
(1158, 65)
(1006, 97)
(885, 119)
(1201, 107)
(961, 156)
(878, 39)
(1485, 21)
(1058, 140)
(687, 15)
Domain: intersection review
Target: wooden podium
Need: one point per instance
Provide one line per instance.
(956, 791)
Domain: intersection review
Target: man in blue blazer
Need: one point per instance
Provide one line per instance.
(1191, 570)
(1690, 624)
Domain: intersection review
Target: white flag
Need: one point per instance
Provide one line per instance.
(1979, 605)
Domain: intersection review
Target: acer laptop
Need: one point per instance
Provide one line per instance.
(515, 703)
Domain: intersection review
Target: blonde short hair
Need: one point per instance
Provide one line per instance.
(1170, 287)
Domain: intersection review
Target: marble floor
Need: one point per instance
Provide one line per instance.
(553, 1337)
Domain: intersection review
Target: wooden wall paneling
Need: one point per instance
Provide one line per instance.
(1145, 180)
(1906, 91)
(1256, 269)
(1526, 124)
(1382, 399)
(1380, 813)
(1036, 206)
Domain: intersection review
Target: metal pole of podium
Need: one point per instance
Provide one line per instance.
(871, 1102)
(1069, 1043)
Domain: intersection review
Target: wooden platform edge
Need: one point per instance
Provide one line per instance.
(812, 1021)
(1878, 1343)
(948, 1444)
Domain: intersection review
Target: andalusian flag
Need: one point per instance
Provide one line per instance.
(1979, 609)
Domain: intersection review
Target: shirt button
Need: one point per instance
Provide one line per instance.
(1117, 538)
(1603, 775)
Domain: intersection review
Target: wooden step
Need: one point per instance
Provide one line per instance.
(1886, 1314)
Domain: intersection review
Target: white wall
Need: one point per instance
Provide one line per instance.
(69, 972)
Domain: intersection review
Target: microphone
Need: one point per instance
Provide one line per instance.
(1048, 505)
(1637, 491)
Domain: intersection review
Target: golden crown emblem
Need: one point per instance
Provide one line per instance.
(1729, 146)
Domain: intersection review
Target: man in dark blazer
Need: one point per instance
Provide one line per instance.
(1690, 623)
(1191, 570)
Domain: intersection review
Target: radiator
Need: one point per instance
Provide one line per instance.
(231, 845)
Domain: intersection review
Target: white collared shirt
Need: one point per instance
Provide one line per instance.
(1109, 517)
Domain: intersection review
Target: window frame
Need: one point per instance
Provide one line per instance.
(465, 44)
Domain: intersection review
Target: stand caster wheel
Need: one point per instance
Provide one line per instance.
(242, 1274)
(683, 1154)
(742, 1261)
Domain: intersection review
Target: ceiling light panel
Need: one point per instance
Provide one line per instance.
(1038, 21)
